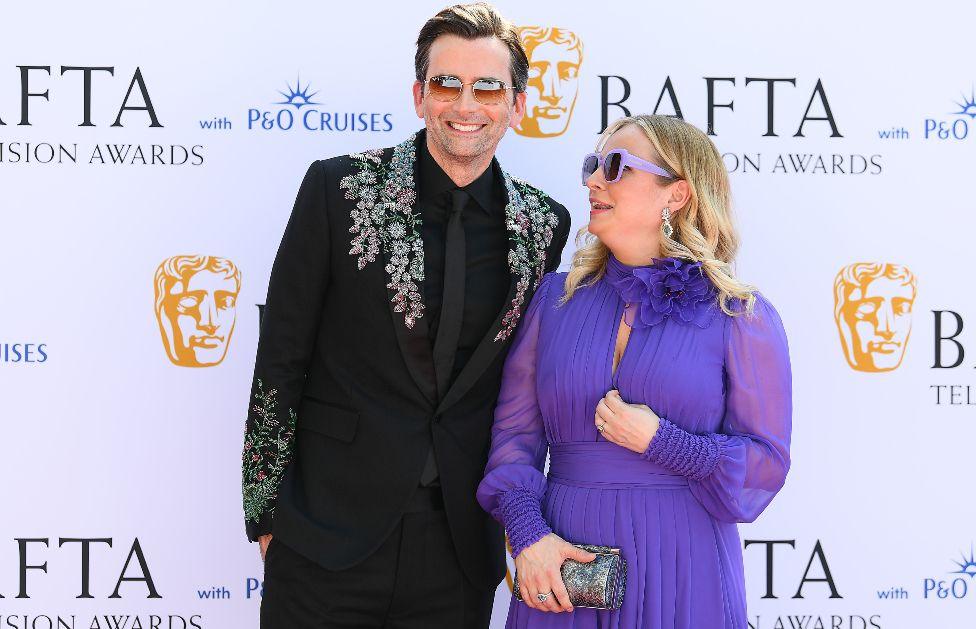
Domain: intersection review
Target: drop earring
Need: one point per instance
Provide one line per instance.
(666, 217)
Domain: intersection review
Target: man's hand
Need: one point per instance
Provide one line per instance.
(264, 540)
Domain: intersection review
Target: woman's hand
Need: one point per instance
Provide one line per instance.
(538, 572)
(629, 425)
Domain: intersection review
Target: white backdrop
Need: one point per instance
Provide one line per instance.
(104, 437)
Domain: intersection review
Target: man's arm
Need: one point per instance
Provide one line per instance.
(289, 326)
(559, 238)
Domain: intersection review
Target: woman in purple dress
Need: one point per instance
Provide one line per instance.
(660, 386)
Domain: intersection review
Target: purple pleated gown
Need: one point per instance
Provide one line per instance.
(721, 385)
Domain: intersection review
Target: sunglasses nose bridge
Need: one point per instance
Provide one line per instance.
(465, 99)
(596, 179)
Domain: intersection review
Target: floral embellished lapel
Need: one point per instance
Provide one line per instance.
(530, 224)
(384, 222)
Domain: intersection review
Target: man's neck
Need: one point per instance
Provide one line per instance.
(461, 173)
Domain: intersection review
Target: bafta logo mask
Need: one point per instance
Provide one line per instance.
(873, 310)
(555, 56)
(196, 306)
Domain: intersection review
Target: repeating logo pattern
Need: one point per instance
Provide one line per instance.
(196, 307)
(873, 310)
(555, 56)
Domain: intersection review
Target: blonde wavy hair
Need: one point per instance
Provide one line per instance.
(703, 229)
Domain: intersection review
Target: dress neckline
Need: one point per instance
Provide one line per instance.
(669, 287)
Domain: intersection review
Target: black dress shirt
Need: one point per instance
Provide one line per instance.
(486, 250)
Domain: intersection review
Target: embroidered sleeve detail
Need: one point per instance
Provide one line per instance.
(268, 448)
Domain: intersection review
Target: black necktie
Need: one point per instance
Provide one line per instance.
(452, 303)
(452, 309)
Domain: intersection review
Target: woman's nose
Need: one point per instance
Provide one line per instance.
(596, 180)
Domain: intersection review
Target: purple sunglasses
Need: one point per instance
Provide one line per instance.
(614, 164)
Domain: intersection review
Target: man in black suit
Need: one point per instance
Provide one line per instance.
(398, 284)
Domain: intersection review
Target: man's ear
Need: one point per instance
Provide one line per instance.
(518, 110)
(418, 98)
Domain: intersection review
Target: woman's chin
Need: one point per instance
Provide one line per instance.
(598, 223)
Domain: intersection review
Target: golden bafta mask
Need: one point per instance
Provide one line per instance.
(196, 307)
(873, 310)
(555, 56)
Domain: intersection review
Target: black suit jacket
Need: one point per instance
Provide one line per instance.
(344, 404)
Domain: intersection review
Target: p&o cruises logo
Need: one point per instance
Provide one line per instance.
(959, 126)
(300, 111)
(954, 587)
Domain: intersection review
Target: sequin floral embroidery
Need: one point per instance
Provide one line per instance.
(384, 220)
(530, 225)
(384, 217)
(268, 447)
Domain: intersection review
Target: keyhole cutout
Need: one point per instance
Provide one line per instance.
(623, 335)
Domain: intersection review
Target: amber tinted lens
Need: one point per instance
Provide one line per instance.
(611, 166)
(489, 92)
(444, 88)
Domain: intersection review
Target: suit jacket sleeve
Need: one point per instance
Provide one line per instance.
(559, 237)
(289, 326)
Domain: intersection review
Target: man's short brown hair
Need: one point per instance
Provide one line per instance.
(473, 21)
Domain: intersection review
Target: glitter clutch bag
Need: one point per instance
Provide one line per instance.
(599, 584)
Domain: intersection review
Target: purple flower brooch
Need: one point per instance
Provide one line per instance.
(669, 288)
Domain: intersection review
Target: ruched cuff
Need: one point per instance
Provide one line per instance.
(521, 515)
(682, 452)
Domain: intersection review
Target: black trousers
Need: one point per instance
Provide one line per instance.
(413, 580)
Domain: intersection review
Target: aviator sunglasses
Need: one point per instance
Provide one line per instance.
(448, 88)
(614, 164)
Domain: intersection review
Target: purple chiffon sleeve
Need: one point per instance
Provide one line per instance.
(736, 472)
(514, 484)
